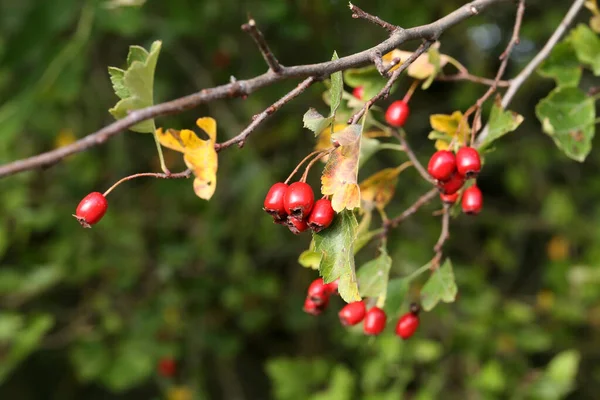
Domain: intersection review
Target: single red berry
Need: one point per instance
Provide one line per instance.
(374, 321)
(91, 209)
(321, 215)
(318, 291)
(298, 200)
(452, 185)
(468, 162)
(397, 113)
(449, 198)
(274, 202)
(296, 226)
(472, 200)
(332, 287)
(358, 92)
(352, 313)
(310, 307)
(442, 165)
(167, 367)
(407, 325)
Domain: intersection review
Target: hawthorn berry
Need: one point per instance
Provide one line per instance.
(166, 367)
(397, 113)
(312, 308)
(358, 92)
(472, 200)
(452, 185)
(468, 162)
(407, 325)
(321, 215)
(374, 321)
(442, 165)
(449, 198)
(274, 202)
(352, 313)
(318, 291)
(332, 287)
(91, 209)
(295, 225)
(298, 200)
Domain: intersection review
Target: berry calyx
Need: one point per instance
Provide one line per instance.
(374, 321)
(318, 291)
(321, 215)
(397, 113)
(352, 313)
(472, 200)
(449, 198)
(407, 325)
(273, 203)
(358, 92)
(452, 185)
(91, 209)
(298, 200)
(296, 226)
(442, 165)
(167, 367)
(312, 308)
(468, 162)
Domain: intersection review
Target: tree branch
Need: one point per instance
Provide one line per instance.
(518, 81)
(260, 41)
(239, 88)
(421, 201)
(412, 157)
(359, 13)
(444, 235)
(466, 76)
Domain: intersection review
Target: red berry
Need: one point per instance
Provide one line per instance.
(452, 185)
(296, 226)
(472, 200)
(358, 92)
(374, 321)
(332, 287)
(321, 215)
(91, 209)
(468, 162)
(352, 313)
(397, 113)
(274, 202)
(442, 165)
(449, 198)
(310, 307)
(318, 291)
(166, 367)
(407, 325)
(298, 200)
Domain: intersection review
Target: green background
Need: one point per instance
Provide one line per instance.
(88, 313)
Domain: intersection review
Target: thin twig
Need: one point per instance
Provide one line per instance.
(518, 81)
(241, 88)
(412, 157)
(240, 139)
(421, 201)
(466, 76)
(359, 13)
(260, 41)
(305, 159)
(183, 174)
(444, 235)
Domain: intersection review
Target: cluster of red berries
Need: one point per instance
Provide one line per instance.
(451, 171)
(295, 206)
(91, 209)
(351, 314)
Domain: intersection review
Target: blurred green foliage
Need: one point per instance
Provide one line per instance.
(88, 314)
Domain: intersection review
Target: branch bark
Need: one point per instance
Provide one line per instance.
(429, 32)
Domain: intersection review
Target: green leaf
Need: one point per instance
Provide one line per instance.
(90, 359)
(397, 289)
(501, 122)
(337, 88)
(132, 364)
(315, 121)
(340, 385)
(587, 46)
(367, 77)
(562, 65)
(439, 286)
(434, 58)
(135, 86)
(373, 276)
(310, 258)
(336, 245)
(568, 116)
(559, 378)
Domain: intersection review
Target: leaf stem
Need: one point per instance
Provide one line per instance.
(183, 174)
(300, 164)
(317, 158)
(163, 166)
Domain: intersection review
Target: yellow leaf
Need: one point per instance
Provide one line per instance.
(324, 141)
(64, 138)
(179, 393)
(378, 189)
(449, 124)
(558, 248)
(341, 171)
(199, 155)
(421, 68)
